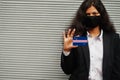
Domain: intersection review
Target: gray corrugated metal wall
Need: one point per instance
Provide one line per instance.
(31, 36)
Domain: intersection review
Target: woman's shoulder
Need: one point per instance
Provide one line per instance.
(116, 35)
(112, 34)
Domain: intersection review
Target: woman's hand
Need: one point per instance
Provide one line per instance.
(68, 40)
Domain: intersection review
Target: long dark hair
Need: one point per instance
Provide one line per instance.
(106, 24)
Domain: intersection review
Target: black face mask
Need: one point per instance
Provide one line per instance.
(91, 22)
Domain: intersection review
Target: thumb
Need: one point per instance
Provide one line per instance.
(74, 46)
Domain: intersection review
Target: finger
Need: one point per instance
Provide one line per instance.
(72, 33)
(68, 33)
(64, 35)
(78, 36)
(74, 46)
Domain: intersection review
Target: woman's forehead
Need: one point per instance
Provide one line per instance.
(91, 9)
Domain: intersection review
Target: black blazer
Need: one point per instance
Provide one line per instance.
(78, 62)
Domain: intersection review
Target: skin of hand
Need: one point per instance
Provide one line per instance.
(68, 40)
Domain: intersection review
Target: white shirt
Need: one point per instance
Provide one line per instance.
(96, 56)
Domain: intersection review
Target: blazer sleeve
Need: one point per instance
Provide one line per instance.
(68, 62)
(116, 65)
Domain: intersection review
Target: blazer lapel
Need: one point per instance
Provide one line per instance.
(106, 53)
(87, 56)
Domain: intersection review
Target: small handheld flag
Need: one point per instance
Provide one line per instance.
(80, 41)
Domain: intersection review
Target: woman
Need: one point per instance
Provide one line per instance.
(100, 59)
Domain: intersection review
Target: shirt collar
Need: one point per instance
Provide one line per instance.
(98, 37)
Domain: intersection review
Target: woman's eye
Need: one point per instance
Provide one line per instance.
(92, 14)
(88, 14)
